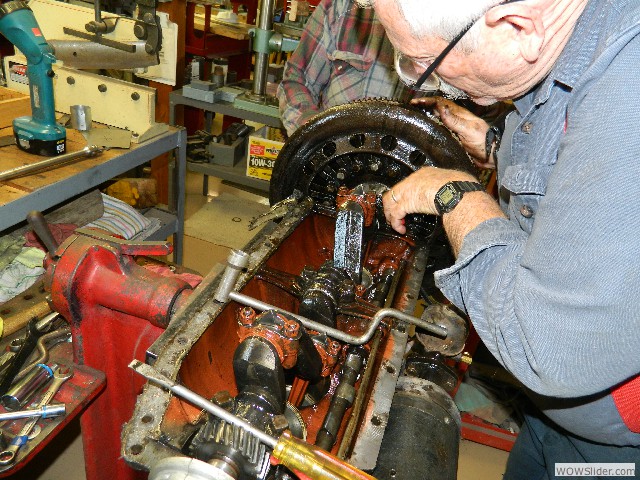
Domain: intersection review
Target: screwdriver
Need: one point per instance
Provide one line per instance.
(291, 452)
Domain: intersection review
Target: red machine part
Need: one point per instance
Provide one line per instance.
(116, 310)
(283, 335)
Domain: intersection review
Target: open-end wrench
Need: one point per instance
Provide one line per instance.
(8, 456)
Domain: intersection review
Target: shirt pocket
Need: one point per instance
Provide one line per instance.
(525, 188)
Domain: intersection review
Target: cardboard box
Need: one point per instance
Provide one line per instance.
(264, 146)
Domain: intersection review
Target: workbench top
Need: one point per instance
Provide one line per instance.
(12, 157)
(45, 189)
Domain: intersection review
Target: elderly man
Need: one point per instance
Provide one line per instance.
(550, 274)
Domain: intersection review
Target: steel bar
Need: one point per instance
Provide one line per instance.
(50, 162)
(153, 375)
(339, 334)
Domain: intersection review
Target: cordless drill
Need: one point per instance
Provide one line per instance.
(39, 134)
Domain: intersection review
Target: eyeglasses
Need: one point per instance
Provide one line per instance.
(409, 68)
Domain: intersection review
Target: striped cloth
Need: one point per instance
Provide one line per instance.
(121, 218)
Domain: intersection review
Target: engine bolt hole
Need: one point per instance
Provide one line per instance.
(147, 419)
(391, 369)
(376, 420)
(137, 449)
(357, 140)
(329, 149)
(417, 158)
(389, 142)
(392, 472)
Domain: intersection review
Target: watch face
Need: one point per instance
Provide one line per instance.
(448, 195)
(447, 198)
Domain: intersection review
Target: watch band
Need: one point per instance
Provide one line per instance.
(469, 186)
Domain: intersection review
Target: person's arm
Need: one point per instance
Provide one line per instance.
(557, 305)
(308, 70)
(416, 193)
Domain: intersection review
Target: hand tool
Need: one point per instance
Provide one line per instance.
(87, 151)
(22, 391)
(39, 134)
(288, 450)
(35, 329)
(8, 456)
(46, 411)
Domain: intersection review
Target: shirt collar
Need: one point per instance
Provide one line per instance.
(575, 58)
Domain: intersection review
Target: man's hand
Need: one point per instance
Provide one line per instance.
(471, 129)
(415, 194)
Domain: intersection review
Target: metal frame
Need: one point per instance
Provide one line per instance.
(15, 211)
(235, 174)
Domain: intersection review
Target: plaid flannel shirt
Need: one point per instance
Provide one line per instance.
(343, 55)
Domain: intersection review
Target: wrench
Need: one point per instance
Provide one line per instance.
(8, 456)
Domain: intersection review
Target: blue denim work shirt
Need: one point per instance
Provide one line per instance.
(554, 290)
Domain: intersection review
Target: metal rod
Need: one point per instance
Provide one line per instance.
(153, 375)
(339, 334)
(46, 411)
(50, 162)
(261, 69)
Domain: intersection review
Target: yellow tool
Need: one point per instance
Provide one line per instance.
(291, 452)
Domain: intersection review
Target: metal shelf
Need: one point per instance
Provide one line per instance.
(237, 173)
(15, 209)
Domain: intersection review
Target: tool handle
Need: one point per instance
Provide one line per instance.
(7, 377)
(41, 229)
(313, 461)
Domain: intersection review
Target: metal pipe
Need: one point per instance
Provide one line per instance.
(50, 162)
(151, 374)
(437, 330)
(238, 260)
(261, 69)
(87, 54)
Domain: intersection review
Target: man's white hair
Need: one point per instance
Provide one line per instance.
(442, 18)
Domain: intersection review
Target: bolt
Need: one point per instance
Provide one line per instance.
(223, 399)
(135, 96)
(280, 423)
(291, 328)
(374, 165)
(334, 348)
(102, 88)
(140, 31)
(71, 80)
(246, 316)
(341, 174)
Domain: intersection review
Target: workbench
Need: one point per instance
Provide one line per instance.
(47, 189)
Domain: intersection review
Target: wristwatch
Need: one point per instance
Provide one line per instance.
(451, 193)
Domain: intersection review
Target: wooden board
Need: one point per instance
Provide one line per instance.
(12, 157)
(13, 104)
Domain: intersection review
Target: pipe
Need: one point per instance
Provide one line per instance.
(50, 162)
(437, 330)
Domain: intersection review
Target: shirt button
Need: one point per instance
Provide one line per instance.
(527, 127)
(526, 211)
